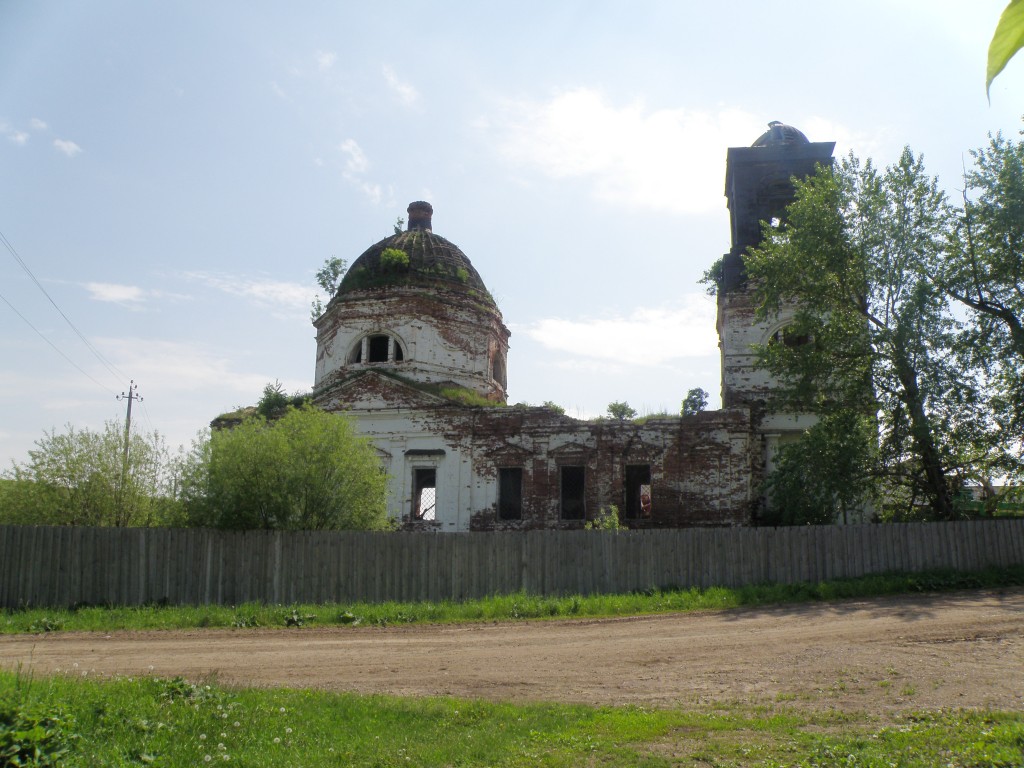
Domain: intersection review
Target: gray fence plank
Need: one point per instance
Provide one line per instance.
(48, 566)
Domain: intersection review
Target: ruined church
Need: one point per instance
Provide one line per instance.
(413, 347)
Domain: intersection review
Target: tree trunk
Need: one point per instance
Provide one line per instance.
(921, 435)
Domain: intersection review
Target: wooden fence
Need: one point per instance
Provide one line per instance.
(72, 566)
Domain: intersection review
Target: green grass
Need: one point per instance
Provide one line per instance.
(81, 721)
(498, 608)
(160, 722)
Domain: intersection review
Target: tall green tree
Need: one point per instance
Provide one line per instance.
(78, 477)
(827, 475)
(985, 274)
(856, 261)
(306, 470)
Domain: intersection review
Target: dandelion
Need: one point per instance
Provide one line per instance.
(281, 710)
(287, 730)
(277, 739)
(221, 747)
(226, 756)
(202, 737)
(223, 735)
(207, 758)
(237, 724)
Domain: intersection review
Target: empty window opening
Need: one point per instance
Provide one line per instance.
(510, 493)
(790, 338)
(379, 348)
(573, 484)
(424, 499)
(638, 491)
(498, 369)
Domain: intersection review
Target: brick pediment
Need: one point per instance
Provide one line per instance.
(372, 390)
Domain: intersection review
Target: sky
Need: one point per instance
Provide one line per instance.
(172, 176)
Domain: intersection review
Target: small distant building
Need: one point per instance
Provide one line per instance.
(413, 347)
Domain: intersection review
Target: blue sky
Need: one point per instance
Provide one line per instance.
(174, 174)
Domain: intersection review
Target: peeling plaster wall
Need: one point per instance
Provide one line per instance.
(702, 467)
(445, 338)
(744, 382)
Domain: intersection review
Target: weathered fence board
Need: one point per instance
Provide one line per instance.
(45, 566)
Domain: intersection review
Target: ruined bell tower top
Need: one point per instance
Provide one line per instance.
(780, 135)
(759, 186)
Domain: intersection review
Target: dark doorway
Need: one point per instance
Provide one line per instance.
(573, 485)
(638, 490)
(510, 493)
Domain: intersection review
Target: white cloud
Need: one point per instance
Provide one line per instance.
(659, 159)
(325, 60)
(356, 161)
(647, 336)
(373, 192)
(37, 124)
(406, 93)
(357, 164)
(263, 292)
(113, 292)
(18, 137)
(179, 366)
(278, 90)
(69, 148)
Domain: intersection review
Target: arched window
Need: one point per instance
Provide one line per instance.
(788, 336)
(377, 348)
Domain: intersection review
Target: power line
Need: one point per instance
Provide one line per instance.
(55, 349)
(145, 415)
(106, 363)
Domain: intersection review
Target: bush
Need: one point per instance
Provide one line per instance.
(607, 519)
(30, 736)
(394, 259)
(307, 470)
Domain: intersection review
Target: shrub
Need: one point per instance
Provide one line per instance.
(394, 259)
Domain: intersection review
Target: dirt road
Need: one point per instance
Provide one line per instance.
(959, 650)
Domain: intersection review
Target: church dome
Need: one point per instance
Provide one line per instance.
(780, 135)
(415, 258)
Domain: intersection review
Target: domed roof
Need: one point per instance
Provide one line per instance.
(416, 257)
(780, 135)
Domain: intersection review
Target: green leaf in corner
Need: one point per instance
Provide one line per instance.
(1007, 40)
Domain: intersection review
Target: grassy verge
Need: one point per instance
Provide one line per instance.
(497, 608)
(160, 722)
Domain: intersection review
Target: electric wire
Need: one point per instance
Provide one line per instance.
(145, 415)
(111, 368)
(55, 349)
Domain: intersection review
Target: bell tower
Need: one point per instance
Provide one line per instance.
(758, 187)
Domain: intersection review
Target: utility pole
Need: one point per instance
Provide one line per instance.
(133, 394)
